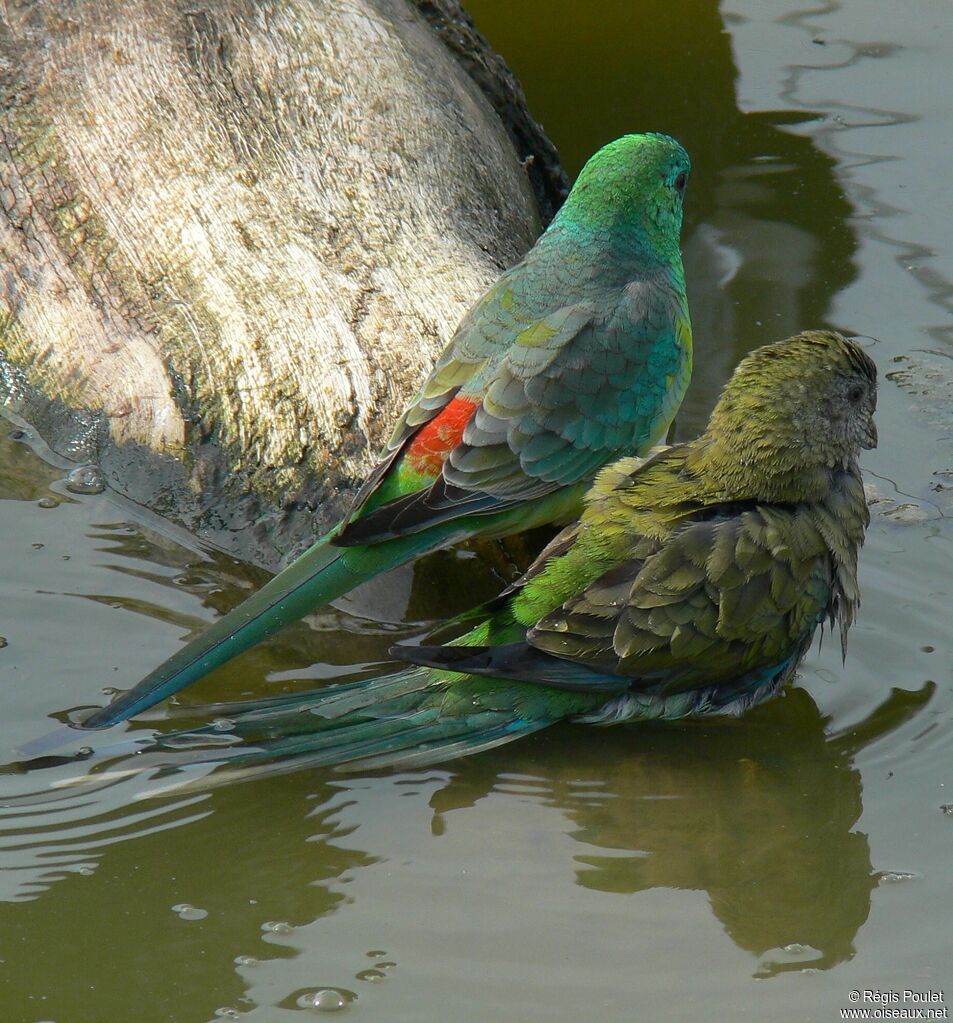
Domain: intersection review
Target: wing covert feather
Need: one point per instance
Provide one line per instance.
(719, 598)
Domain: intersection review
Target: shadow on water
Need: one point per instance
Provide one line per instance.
(767, 238)
(184, 893)
(760, 814)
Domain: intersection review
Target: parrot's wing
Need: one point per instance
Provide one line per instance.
(717, 600)
(456, 367)
(570, 394)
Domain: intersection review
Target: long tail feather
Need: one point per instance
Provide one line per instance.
(317, 577)
(394, 720)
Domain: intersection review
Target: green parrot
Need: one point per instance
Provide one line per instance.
(580, 353)
(692, 583)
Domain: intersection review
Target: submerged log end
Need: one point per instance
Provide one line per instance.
(237, 234)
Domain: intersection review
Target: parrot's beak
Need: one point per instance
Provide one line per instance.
(870, 438)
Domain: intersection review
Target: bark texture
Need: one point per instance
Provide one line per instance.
(234, 235)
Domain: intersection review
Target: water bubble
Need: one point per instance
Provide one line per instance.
(276, 927)
(246, 961)
(222, 725)
(947, 808)
(896, 876)
(375, 953)
(48, 502)
(371, 975)
(327, 999)
(86, 479)
(794, 954)
(187, 912)
(18, 435)
(37, 546)
(3, 642)
(225, 1012)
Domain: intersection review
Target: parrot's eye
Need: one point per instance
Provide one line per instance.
(680, 182)
(855, 393)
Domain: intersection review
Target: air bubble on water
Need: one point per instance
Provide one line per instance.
(947, 808)
(375, 953)
(37, 546)
(371, 975)
(188, 912)
(48, 502)
(86, 479)
(3, 642)
(276, 927)
(226, 1012)
(247, 961)
(793, 954)
(896, 876)
(222, 725)
(327, 999)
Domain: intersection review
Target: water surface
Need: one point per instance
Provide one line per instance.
(754, 869)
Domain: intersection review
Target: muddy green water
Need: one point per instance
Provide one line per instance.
(761, 869)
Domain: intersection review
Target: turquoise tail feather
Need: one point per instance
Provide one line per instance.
(316, 578)
(319, 576)
(395, 720)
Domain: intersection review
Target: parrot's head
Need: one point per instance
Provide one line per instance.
(634, 188)
(795, 409)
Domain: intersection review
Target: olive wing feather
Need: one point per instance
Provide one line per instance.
(712, 603)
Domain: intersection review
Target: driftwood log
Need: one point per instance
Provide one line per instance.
(236, 233)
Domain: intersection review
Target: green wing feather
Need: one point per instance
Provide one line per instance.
(719, 599)
(571, 391)
(715, 600)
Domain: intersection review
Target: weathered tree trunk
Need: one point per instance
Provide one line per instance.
(235, 234)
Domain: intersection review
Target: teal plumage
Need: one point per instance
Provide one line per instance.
(692, 583)
(578, 354)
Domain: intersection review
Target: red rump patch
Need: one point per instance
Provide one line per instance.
(435, 439)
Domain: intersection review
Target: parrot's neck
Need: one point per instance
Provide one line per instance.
(763, 472)
(605, 236)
